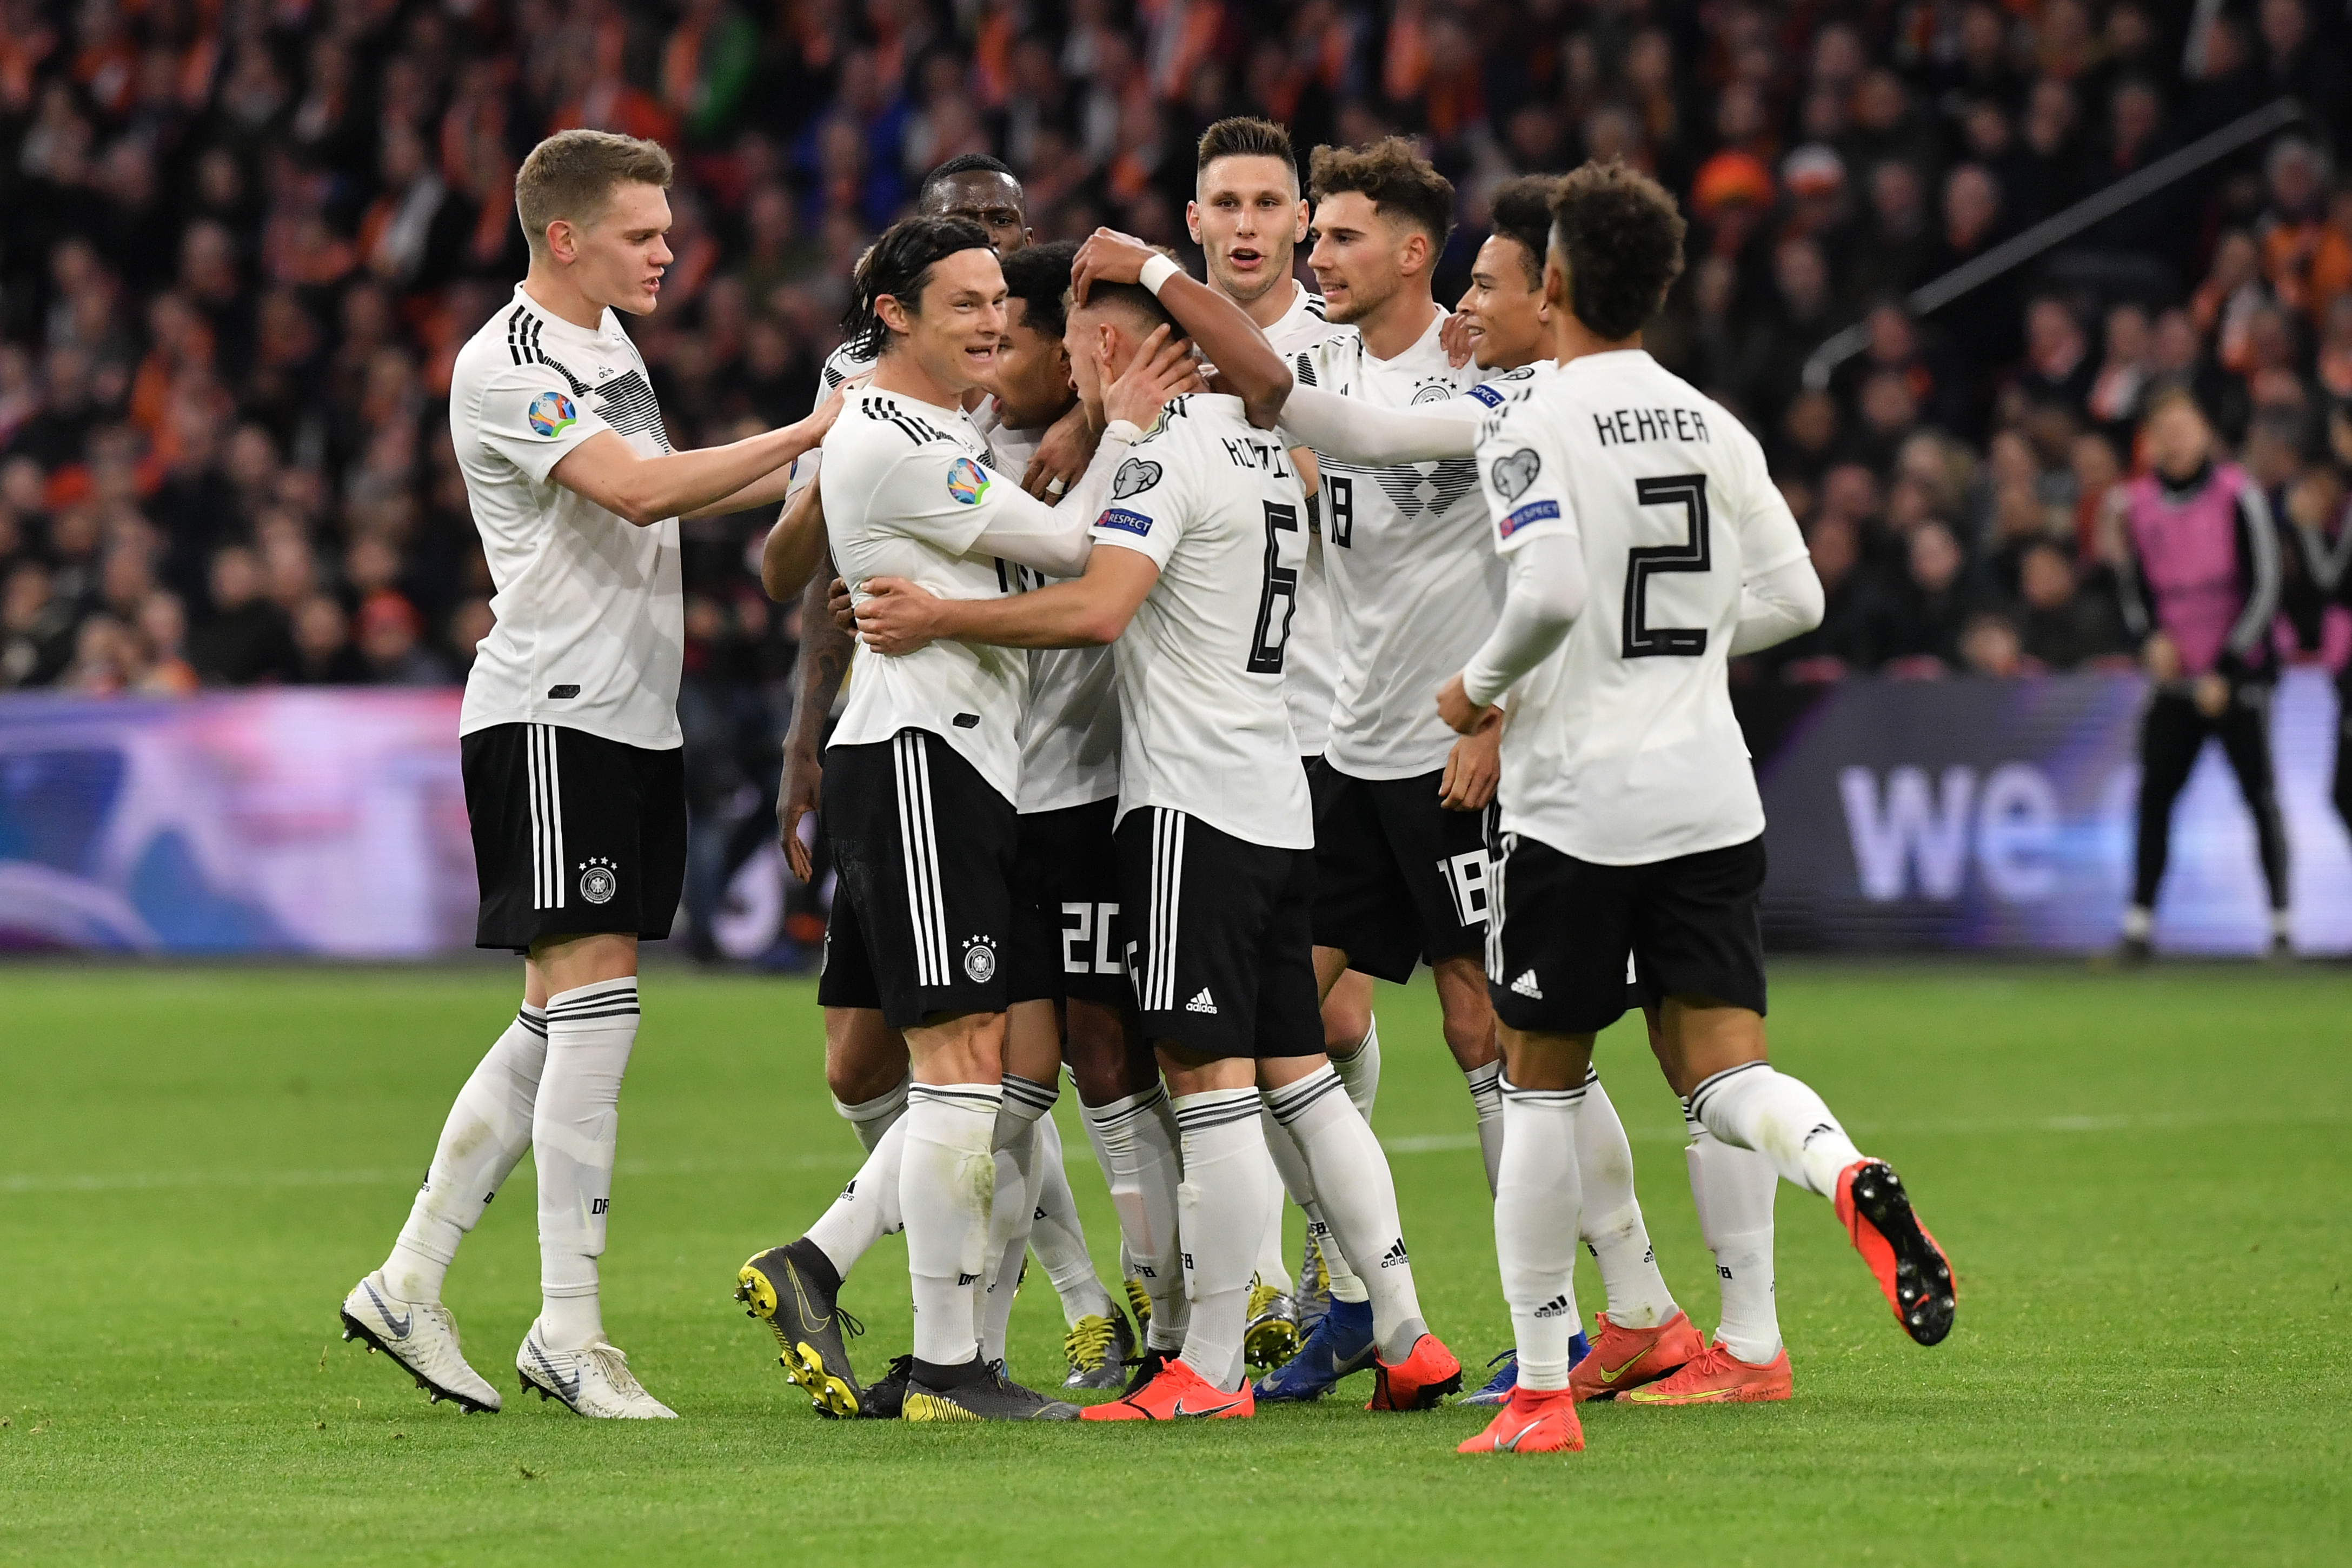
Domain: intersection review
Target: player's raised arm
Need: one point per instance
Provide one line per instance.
(1536, 530)
(751, 472)
(1356, 431)
(1226, 334)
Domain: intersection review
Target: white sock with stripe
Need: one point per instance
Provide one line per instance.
(1013, 1211)
(1359, 1070)
(869, 1118)
(1613, 1226)
(1140, 1162)
(1299, 1180)
(1733, 1190)
(485, 1136)
(1218, 1210)
(1486, 1100)
(868, 1209)
(574, 1131)
(1751, 1106)
(1358, 1197)
(947, 1185)
(1057, 1238)
(1537, 1201)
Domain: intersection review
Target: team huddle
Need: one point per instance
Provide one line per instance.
(1180, 656)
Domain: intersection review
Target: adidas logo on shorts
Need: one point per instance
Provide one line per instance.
(1395, 1255)
(1525, 985)
(1203, 1003)
(1555, 1307)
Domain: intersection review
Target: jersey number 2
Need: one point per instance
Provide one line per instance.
(1643, 640)
(1282, 587)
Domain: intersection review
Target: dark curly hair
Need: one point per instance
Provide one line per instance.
(899, 265)
(1622, 237)
(1399, 181)
(1522, 209)
(1039, 277)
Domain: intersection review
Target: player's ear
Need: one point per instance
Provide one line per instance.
(1555, 283)
(1299, 232)
(1193, 220)
(892, 314)
(562, 241)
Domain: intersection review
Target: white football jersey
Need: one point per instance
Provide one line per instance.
(1622, 747)
(907, 489)
(843, 362)
(1414, 590)
(1310, 665)
(591, 619)
(1217, 506)
(1070, 733)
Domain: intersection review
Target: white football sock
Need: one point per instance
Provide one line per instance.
(1752, 1106)
(485, 1136)
(1014, 1212)
(1536, 1206)
(869, 1118)
(1611, 1226)
(868, 1209)
(1358, 1197)
(1361, 1070)
(1140, 1162)
(1273, 1268)
(1057, 1239)
(1733, 1190)
(1290, 1166)
(1486, 1098)
(1219, 1208)
(575, 1128)
(947, 1185)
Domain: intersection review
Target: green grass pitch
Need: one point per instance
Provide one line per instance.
(2141, 1179)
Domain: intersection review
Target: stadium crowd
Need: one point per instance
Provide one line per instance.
(244, 242)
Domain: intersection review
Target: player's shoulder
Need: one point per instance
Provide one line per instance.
(502, 348)
(1332, 350)
(849, 360)
(1505, 387)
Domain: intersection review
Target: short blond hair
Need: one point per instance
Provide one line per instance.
(572, 174)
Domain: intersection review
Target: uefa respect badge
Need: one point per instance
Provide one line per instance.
(967, 482)
(551, 413)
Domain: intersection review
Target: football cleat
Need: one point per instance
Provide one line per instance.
(1099, 1349)
(1716, 1376)
(780, 1286)
(989, 1397)
(1625, 1359)
(1498, 1388)
(1139, 1303)
(885, 1400)
(1341, 1344)
(1426, 1376)
(422, 1337)
(1147, 1367)
(1312, 1297)
(1271, 1336)
(594, 1381)
(1531, 1421)
(1911, 1268)
(1178, 1393)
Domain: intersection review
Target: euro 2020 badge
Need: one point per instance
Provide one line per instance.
(551, 413)
(967, 482)
(599, 880)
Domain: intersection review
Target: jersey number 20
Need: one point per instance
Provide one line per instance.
(1281, 588)
(1643, 640)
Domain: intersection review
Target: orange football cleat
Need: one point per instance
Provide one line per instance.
(1625, 1359)
(1716, 1376)
(1178, 1393)
(1912, 1269)
(1418, 1381)
(1531, 1421)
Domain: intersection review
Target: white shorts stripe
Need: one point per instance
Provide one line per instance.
(554, 815)
(1167, 897)
(535, 780)
(925, 908)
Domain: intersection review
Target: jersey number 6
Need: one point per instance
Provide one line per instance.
(1642, 639)
(1281, 584)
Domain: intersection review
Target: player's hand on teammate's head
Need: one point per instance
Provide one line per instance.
(1109, 255)
(840, 606)
(895, 617)
(1453, 337)
(1162, 368)
(1462, 716)
(1068, 447)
